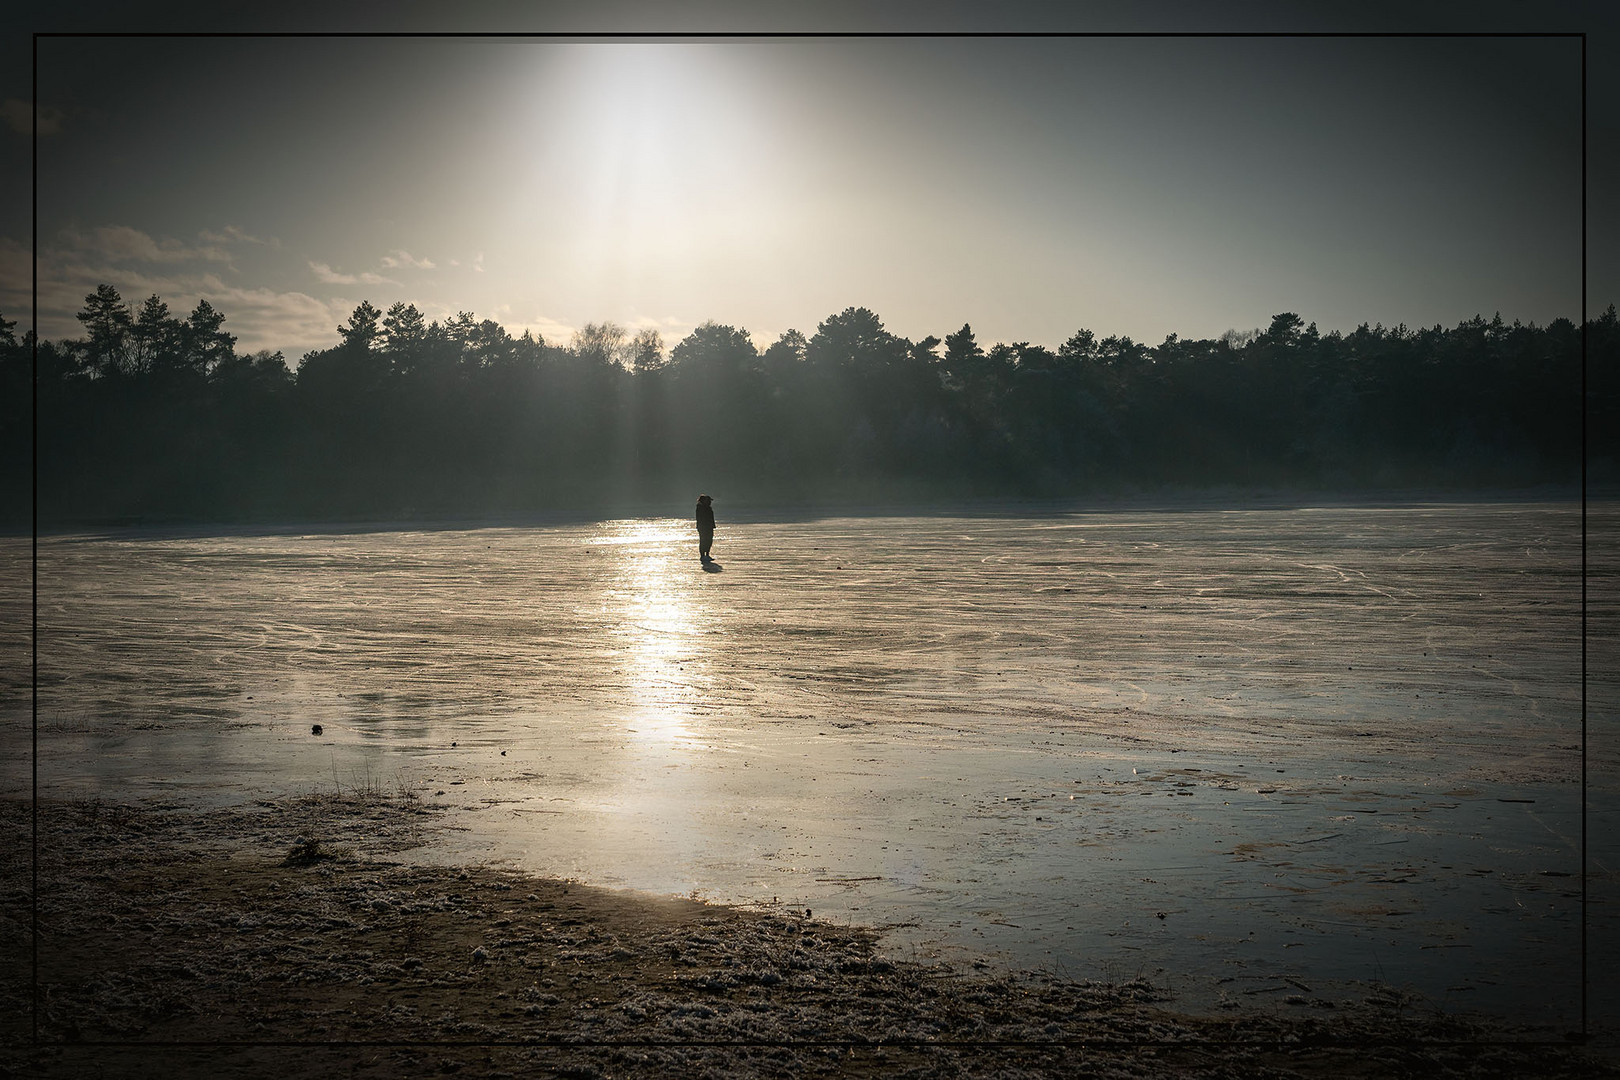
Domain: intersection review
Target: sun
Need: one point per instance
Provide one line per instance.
(660, 149)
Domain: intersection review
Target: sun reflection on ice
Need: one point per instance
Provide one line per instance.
(660, 629)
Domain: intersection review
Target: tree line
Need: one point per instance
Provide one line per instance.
(151, 416)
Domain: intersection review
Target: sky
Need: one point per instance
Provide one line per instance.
(1029, 186)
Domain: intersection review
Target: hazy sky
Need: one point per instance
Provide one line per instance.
(1028, 186)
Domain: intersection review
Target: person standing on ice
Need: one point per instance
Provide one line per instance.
(705, 527)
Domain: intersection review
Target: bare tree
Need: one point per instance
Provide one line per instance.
(603, 342)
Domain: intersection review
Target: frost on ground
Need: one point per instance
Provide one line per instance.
(282, 939)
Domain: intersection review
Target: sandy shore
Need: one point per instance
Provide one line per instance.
(289, 940)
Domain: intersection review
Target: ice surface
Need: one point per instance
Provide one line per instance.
(1242, 751)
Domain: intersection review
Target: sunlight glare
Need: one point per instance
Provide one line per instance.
(663, 147)
(659, 627)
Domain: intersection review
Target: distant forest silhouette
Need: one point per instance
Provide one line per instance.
(153, 417)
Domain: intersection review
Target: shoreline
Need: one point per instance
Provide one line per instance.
(754, 512)
(294, 923)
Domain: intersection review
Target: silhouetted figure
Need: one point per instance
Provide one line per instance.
(705, 527)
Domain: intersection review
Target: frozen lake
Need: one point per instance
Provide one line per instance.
(1252, 753)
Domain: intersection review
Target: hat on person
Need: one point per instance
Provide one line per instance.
(704, 498)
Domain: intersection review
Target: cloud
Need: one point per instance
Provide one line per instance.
(292, 322)
(405, 260)
(669, 324)
(327, 276)
(18, 116)
(549, 330)
(230, 234)
(120, 243)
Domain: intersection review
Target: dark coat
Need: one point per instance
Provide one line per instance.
(705, 518)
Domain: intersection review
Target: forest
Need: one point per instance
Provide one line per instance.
(152, 418)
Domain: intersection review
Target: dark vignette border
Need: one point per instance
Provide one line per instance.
(1581, 1036)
